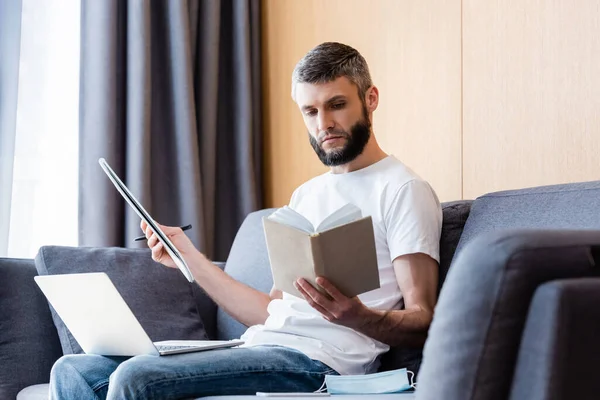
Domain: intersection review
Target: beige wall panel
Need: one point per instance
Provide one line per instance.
(531, 95)
(413, 50)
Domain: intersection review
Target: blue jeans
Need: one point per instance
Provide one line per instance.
(234, 371)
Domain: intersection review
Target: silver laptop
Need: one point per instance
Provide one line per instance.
(102, 323)
(137, 207)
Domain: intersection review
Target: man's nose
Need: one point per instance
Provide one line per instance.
(324, 121)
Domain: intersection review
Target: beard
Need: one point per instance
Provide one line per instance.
(356, 141)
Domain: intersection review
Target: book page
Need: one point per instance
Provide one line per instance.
(290, 217)
(341, 216)
(290, 254)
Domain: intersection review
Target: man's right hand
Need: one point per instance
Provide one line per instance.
(245, 304)
(176, 236)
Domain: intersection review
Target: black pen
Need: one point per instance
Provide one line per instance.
(183, 228)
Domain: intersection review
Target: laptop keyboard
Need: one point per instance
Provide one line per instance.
(168, 348)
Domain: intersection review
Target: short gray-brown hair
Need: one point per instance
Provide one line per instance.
(329, 61)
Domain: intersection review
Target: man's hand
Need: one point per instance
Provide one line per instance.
(245, 304)
(417, 276)
(339, 309)
(176, 236)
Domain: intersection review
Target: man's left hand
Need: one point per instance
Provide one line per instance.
(339, 309)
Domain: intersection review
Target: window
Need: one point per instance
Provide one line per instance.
(45, 180)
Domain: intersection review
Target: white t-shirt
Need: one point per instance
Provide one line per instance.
(407, 218)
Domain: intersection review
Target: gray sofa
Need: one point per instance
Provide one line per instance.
(518, 315)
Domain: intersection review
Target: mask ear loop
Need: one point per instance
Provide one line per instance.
(321, 389)
(411, 378)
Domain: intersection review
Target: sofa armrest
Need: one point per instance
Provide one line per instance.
(559, 351)
(474, 339)
(29, 343)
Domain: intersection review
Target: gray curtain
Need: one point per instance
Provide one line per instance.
(10, 45)
(170, 96)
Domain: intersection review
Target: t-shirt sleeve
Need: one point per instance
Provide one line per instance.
(294, 199)
(414, 221)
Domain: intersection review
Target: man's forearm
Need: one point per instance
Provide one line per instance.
(397, 327)
(245, 304)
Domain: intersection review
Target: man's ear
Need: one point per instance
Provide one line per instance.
(372, 98)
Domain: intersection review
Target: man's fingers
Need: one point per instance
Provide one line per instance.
(314, 294)
(327, 315)
(313, 303)
(331, 289)
(157, 252)
(170, 230)
(153, 240)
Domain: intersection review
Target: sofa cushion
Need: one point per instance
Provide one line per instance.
(248, 262)
(147, 287)
(387, 396)
(568, 206)
(40, 392)
(28, 340)
(35, 392)
(455, 216)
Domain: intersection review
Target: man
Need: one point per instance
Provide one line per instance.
(292, 343)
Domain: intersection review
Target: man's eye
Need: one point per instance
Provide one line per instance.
(338, 106)
(311, 113)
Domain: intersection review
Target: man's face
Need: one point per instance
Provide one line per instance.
(336, 118)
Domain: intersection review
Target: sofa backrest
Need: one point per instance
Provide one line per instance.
(566, 206)
(29, 342)
(248, 262)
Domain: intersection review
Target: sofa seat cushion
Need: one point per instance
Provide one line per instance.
(35, 392)
(147, 287)
(40, 392)
(395, 396)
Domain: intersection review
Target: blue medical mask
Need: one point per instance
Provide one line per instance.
(382, 382)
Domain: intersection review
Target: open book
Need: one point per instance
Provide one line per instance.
(341, 248)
